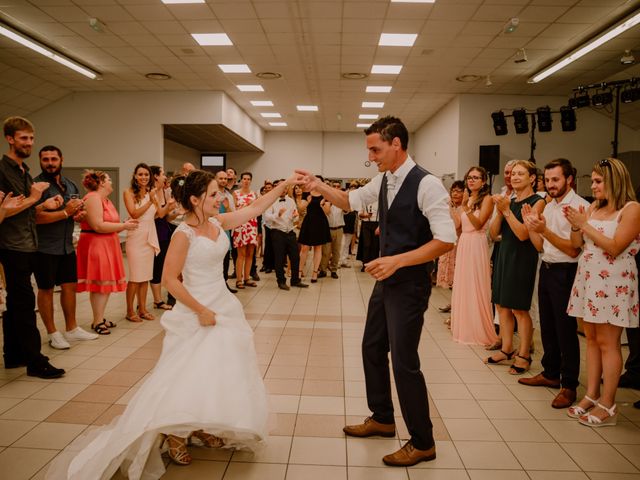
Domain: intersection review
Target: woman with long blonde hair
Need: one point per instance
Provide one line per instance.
(605, 290)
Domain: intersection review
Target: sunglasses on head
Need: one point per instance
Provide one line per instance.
(604, 163)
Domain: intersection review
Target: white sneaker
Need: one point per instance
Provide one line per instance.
(57, 341)
(80, 334)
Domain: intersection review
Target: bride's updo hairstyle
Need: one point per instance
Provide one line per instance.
(195, 183)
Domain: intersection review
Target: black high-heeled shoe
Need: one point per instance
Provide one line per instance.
(314, 280)
(520, 370)
(492, 361)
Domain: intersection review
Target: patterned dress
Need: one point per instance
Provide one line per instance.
(247, 233)
(605, 289)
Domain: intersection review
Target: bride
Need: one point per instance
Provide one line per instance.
(206, 384)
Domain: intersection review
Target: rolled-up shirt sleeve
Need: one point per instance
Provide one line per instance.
(433, 199)
(366, 195)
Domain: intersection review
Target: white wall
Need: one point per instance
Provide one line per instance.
(125, 128)
(331, 154)
(176, 154)
(436, 143)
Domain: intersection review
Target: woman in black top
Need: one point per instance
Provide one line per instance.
(314, 231)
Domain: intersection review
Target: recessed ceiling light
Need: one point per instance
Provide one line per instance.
(378, 89)
(386, 69)
(278, 124)
(397, 39)
(271, 115)
(372, 104)
(170, 2)
(468, 78)
(250, 88)
(368, 116)
(158, 76)
(235, 68)
(262, 103)
(307, 108)
(269, 75)
(354, 75)
(212, 39)
(363, 125)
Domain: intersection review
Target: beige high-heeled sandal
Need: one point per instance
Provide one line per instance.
(207, 440)
(177, 449)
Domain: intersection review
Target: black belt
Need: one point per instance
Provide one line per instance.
(93, 231)
(559, 265)
(334, 228)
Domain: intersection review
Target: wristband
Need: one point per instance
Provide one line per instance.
(575, 229)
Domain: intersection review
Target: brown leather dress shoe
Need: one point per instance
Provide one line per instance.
(370, 428)
(539, 381)
(408, 455)
(564, 399)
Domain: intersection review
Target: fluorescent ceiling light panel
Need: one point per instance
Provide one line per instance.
(206, 39)
(613, 32)
(278, 124)
(363, 125)
(307, 108)
(250, 88)
(372, 104)
(368, 116)
(47, 52)
(262, 103)
(174, 2)
(271, 115)
(386, 69)
(235, 68)
(378, 89)
(397, 39)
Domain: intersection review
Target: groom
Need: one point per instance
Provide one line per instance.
(415, 228)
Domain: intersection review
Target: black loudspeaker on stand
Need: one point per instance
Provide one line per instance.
(490, 160)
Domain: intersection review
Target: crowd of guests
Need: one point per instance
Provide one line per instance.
(535, 243)
(577, 260)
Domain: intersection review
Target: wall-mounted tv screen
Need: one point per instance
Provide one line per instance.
(213, 160)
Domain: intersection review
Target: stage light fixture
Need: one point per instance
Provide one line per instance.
(544, 119)
(568, 119)
(520, 121)
(601, 98)
(630, 94)
(499, 123)
(580, 99)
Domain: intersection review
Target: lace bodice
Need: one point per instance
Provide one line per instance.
(203, 264)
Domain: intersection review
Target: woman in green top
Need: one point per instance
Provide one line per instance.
(515, 267)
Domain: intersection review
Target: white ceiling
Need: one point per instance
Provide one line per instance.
(311, 43)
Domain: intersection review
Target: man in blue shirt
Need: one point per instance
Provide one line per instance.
(56, 257)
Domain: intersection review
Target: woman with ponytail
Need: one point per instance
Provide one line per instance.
(206, 387)
(471, 314)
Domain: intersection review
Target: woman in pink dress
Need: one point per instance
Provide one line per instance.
(471, 315)
(245, 237)
(100, 267)
(142, 244)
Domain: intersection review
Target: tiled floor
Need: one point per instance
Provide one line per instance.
(308, 343)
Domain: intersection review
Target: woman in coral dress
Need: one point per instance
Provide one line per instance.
(471, 313)
(100, 266)
(245, 237)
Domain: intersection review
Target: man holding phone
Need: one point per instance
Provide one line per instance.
(56, 256)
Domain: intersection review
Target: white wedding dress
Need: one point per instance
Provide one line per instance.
(206, 378)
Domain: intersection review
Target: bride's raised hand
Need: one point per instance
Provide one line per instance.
(309, 180)
(295, 179)
(206, 317)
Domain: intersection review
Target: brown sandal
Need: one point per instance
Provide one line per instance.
(206, 439)
(177, 449)
(240, 285)
(250, 283)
